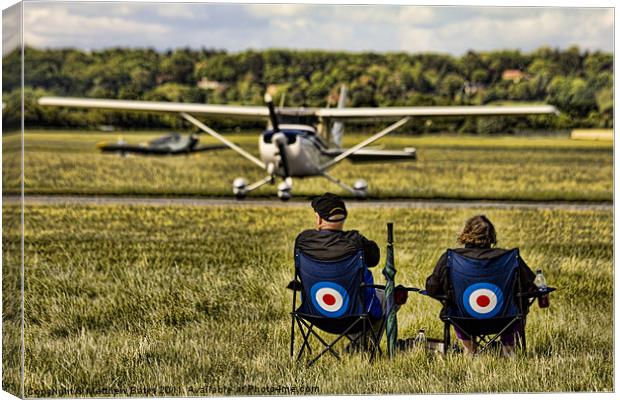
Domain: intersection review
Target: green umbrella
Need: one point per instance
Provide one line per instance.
(389, 271)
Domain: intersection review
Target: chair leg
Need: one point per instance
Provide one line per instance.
(364, 335)
(306, 337)
(323, 342)
(328, 347)
(292, 352)
(446, 337)
(375, 338)
(521, 334)
(500, 333)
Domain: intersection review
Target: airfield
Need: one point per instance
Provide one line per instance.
(449, 167)
(146, 272)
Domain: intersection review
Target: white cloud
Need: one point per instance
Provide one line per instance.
(546, 27)
(11, 31)
(54, 25)
(278, 10)
(178, 10)
(345, 27)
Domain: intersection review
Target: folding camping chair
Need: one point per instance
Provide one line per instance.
(485, 299)
(333, 297)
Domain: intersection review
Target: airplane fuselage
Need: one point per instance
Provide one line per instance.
(305, 151)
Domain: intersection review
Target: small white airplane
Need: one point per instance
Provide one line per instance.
(296, 149)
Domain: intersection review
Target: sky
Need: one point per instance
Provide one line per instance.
(237, 27)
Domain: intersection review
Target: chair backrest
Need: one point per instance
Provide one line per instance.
(483, 289)
(330, 288)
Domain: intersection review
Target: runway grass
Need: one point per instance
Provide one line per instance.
(183, 299)
(449, 167)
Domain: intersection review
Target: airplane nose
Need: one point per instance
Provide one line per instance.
(279, 138)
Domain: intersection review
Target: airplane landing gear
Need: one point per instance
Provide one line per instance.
(360, 189)
(240, 188)
(284, 189)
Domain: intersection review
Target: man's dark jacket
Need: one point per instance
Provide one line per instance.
(327, 244)
(437, 284)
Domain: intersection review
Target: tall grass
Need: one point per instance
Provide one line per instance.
(450, 167)
(194, 298)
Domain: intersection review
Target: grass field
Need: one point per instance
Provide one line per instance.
(180, 297)
(451, 167)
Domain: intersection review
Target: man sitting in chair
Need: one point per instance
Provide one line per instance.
(479, 238)
(329, 241)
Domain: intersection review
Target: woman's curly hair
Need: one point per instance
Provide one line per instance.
(479, 231)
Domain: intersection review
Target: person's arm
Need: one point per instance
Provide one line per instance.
(295, 245)
(372, 254)
(526, 277)
(437, 280)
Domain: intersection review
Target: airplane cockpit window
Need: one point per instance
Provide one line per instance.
(291, 135)
(162, 140)
(320, 141)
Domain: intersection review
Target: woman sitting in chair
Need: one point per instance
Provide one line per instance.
(479, 239)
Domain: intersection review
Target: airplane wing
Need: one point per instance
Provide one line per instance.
(407, 112)
(156, 106)
(263, 112)
(404, 113)
(432, 111)
(376, 155)
(184, 109)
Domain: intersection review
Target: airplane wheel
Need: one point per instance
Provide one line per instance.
(284, 196)
(239, 188)
(361, 189)
(361, 194)
(284, 190)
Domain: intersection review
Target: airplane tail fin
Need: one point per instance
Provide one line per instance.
(338, 126)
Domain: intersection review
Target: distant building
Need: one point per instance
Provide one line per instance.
(514, 75)
(163, 78)
(206, 84)
(472, 88)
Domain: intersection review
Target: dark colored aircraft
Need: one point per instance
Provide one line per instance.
(170, 144)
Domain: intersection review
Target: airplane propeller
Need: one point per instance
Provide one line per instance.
(280, 140)
(272, 113)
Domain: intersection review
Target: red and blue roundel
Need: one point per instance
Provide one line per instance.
(483, 300)
(329, 298)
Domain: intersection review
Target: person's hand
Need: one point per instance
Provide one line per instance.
(400, 295)
(294, 285)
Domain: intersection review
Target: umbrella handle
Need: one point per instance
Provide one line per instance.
(390, 228)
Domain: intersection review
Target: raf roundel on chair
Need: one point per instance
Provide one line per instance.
(330, 299)
(483, 300)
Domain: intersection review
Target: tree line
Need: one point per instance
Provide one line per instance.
(579, 83)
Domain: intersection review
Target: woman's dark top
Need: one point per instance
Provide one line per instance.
(437, 284)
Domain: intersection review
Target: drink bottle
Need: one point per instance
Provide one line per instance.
(420, 340)
(541, 283)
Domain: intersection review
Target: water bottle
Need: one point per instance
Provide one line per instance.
(541, 283)
(420, 340)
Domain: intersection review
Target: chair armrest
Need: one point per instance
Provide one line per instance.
(399, 287)
(440, 297)
(409, 289)
(364, 285)
(536, 293)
